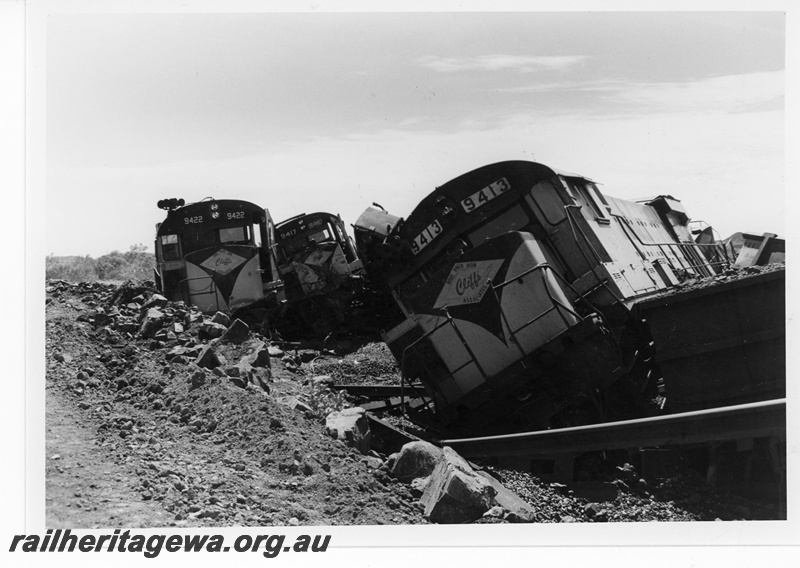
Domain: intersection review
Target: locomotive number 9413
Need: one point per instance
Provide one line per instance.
(485, 195)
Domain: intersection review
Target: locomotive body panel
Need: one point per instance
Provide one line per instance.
(489, 306)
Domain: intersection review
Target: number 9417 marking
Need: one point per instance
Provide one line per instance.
(485, 195)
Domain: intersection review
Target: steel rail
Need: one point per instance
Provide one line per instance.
(380, 391)
(744, 421)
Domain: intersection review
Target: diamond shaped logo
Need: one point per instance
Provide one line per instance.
(222, 262)
(467, 283)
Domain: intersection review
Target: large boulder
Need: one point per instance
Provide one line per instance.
(415, 459)
(221, 318)
(256, 353)
(155, 301)
(350, 425)
(151, 322)
(516, 509)
(207, 358)
(237, 332)
(212, 329)
(455, 493)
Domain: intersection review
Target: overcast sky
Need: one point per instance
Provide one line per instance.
(302, 112)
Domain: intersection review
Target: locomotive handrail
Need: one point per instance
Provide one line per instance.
(211, 289)
(572, 226)
(186, 280)
(425, 336)
(689, 245)
(512, 332)
(543, 267)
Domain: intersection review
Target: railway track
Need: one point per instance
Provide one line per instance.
(739, 423)
(741, 426)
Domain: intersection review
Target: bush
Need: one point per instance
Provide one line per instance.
(71, 268)
(136, 264)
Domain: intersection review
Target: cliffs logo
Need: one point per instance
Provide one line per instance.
(467, 283)
(222, 262)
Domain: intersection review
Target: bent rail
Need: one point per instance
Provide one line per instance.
(754, 420)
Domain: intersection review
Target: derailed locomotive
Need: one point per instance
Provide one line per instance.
(229, 255)
(320, 270)
(516, 283)
(217, 255)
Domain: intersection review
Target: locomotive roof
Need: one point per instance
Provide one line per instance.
(563, 173)
(516, 170)
(303, 216)
(175, 216)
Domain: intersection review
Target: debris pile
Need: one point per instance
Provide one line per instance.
(730, 274)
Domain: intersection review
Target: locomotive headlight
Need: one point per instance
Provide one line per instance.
(215, 214)
(214, 206)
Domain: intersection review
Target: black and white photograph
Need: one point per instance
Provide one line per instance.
(345, 282)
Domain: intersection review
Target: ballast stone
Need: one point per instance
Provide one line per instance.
(455, 493)
(350, 425)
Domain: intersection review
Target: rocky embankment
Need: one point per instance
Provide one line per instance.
(197, 420)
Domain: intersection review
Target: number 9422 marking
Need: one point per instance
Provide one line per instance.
(485, 195)
(426, 236)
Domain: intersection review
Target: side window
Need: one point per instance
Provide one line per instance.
(341, 237)
(599, 194)
(587, 193)
(320, 236)
(170, 247)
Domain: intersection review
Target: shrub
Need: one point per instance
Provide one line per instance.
(136, 264)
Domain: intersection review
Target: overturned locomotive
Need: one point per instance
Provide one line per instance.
(516, 284)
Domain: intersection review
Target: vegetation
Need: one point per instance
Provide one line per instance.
(135, 264)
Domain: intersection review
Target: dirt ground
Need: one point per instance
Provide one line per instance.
(131, 442)
(139, 435)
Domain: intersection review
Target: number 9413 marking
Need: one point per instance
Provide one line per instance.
(485, 195)
(426, 236)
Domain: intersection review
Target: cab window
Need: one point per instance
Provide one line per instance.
(233, 235)
(195, 241)
(170, 248)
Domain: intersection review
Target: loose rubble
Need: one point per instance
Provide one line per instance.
(730, 274)
(223, 425)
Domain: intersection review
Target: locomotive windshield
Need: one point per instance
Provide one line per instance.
(299, 242)
(301, 233)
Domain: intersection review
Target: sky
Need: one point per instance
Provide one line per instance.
(320, 111)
